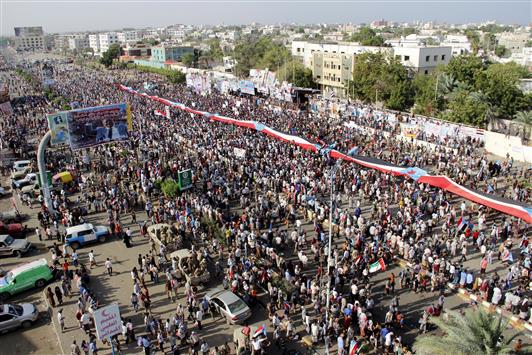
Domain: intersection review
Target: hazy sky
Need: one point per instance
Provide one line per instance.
(78, 15)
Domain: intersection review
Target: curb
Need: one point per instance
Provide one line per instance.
(51, 314)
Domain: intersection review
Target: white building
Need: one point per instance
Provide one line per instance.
(459, 44)
(423, 59)
(127, 36)
(80, 41)
(305, 50)
(94, 42)
(106, 39)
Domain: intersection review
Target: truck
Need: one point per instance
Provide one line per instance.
(192, 265)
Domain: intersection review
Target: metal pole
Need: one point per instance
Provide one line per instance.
(327, 302)
(436, 88)
(42, 170)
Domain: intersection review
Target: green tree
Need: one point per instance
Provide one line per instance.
(176, 77)
(464, 108)
(188, 59)
(499, 83)
(501, 51)
(475, 333)
(465, 69)
(252, 52)
(170, 188)
(428, 99)
(524, 118)
(215, 49)
(295, 72)
(367, 37)
(474, 39)
(381, 78)
(111, 54)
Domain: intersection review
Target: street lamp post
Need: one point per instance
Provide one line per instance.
(327, 302)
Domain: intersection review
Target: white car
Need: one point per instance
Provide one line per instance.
(229, 305)
(29, 179)
(13, 316)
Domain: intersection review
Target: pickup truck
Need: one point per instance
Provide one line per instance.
(16, 230)
(82, 234)
(163, 233)
(13, 247)
(192, 265)
(12, 216)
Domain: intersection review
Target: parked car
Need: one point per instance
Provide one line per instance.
(19, 174)
(82, 234)
(29, 179)
(16, 230)
(34, 274)
(229, 305)
(31, 191)
(21, 165)
(12, 246)
(11, 216)
(192, 265)
(13, 316)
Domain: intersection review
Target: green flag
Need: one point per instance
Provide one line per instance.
(185, 179)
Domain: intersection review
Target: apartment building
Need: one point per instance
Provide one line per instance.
(29, 38)
(423, 59)
(107, 39)
(333, 71)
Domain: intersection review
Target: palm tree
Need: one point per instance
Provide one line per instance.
(525, 118)
(475, 333)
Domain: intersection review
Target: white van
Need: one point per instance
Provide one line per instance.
(21, 165)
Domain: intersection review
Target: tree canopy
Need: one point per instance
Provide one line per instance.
(111, 54)
(252, 52)
(367, 37)
(381, 78)
(475, 333)
(296, 73)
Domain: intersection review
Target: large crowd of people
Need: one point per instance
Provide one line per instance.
(249, 216)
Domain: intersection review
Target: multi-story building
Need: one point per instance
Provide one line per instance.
(459, 44)
(61, 42)
(423, 59)
(29, 38)
(127, 36)
(164, 56)
(305, 50)
(94, 42)
(80, 41)
(163, 53)
(107, 39)
(333, 71)
(513, 41)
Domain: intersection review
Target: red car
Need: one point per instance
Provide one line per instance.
(16, 230)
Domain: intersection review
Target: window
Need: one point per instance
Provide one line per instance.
(435, 58)
(298, 50)
(427, 58)
(426, 71)
(338, 79)
(407, 57)
(443, 57)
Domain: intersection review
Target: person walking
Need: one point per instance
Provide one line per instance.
(92, 259)
(135, 301)
(50, 297)
(74, 349)
(61, 320)
(109, 266)
(58, 294)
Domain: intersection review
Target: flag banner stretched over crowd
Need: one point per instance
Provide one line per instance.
(504, 205)
(378, 265)
(91, 126)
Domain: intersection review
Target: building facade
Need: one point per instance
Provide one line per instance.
(77, 42)
(128, 36)
(423, 59)
(106, 40)
(333, 71)
(29, 38)
(94, 42)
(169, 53)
